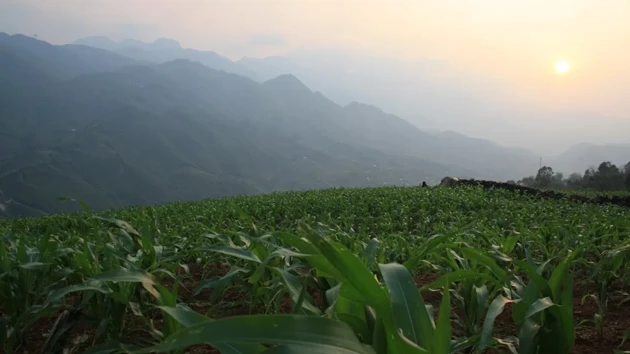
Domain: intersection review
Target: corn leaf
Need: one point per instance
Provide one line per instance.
(409, 309)
(59, 294)
(188, 317)
(442, 338)
(125, 275)
(234, 252)
(317, 332)
(295, 289)
(486, 261)
(370, 251)
(538, 306)
(559, 274)
(495, 309)
(527, 339)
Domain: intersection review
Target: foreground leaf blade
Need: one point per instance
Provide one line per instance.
(495, 309)
(442, 339)
(188, 318)
(409, 309)
(318, 332)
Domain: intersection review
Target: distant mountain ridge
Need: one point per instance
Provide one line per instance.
(396, 88)
(345, 83)
(487, 158)
(585, 155)
(113, 131)
(435, 90)
(61, 62)
(164, 50)
(144, 134)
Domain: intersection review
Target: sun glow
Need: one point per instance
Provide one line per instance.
(562, 67)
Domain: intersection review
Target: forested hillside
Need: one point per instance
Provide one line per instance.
(114, 133)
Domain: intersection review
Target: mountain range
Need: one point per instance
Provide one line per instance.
(135, 123)
(588, 155)
(115, 133)
(417, 90)
(163, 50)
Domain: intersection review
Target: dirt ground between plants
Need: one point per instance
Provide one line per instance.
(586, 339)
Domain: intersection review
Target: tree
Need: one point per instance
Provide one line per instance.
(557, 181)
(544, 177)
(589, 178)
(609, 177)
(528, 181)
(607, 169)
(575, 181)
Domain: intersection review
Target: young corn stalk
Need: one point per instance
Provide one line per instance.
(471, 277)
(29, 271)
(598, 317)
(365, 316)
(543, 309)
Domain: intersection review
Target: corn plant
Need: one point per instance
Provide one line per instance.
(607, 270)
(543, 309)
(472, 293)
(264, 268)
(348, 280)
(384, 309)
(598, 317)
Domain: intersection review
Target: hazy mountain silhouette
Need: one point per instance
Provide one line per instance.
(431, 94)
(145, 134)
(418, 89)
(90, 124)
(163, 50)
(60, 62)
(582, 156)
(435, 98)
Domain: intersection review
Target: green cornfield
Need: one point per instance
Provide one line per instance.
(391, 270)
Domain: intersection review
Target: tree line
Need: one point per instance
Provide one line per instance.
(607, 177)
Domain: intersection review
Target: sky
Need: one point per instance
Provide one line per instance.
(515, 43)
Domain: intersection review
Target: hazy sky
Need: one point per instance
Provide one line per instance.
(517, 42)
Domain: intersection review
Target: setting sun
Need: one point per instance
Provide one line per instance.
(562, 66)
